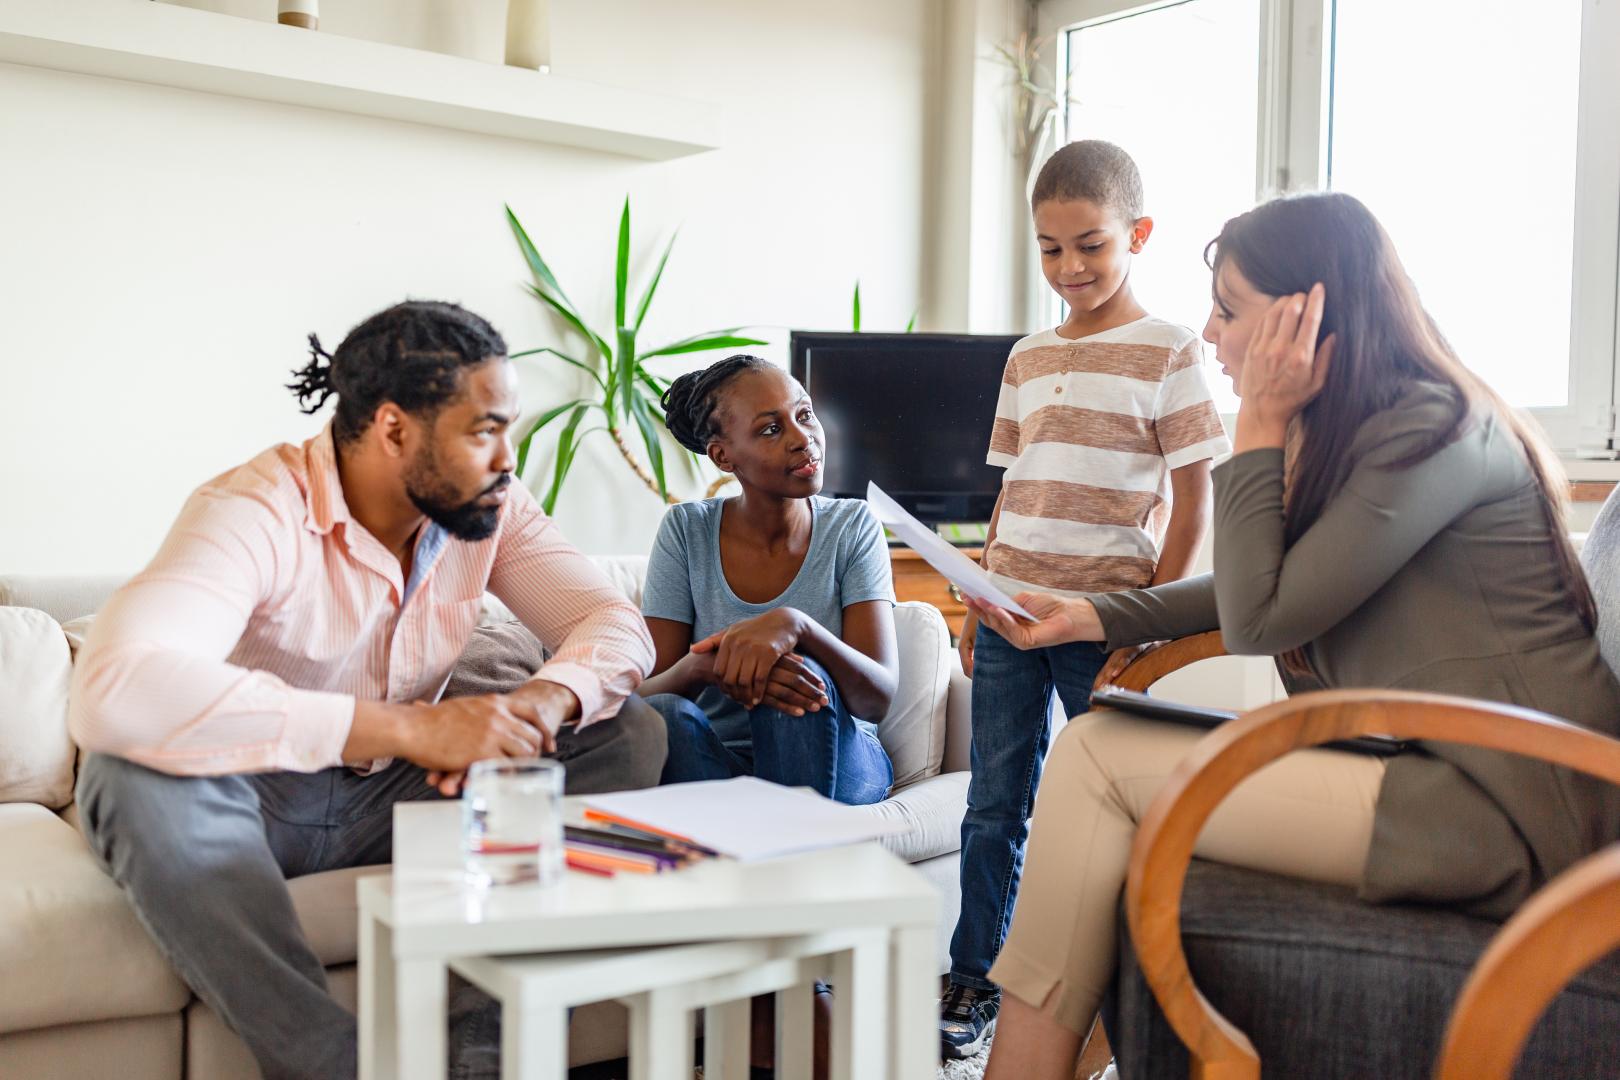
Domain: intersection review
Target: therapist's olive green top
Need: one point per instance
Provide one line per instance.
(1439, 576)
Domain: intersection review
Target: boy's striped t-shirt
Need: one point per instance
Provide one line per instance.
(1088, 430)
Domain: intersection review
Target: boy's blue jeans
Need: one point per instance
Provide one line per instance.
(1012, 697)
(829, 750)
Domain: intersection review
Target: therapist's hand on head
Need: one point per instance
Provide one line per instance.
(1283, 368)
(1057, 620)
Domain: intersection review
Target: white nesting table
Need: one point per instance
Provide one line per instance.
(870, 913)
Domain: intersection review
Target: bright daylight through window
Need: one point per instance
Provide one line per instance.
(1459, 133)
(1189, 123)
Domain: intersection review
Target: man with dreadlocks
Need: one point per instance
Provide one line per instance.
(256, 700)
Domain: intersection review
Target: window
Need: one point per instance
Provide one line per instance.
(1481, 132)
(1458, 131)
(1189, 124)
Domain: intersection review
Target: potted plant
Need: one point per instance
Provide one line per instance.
(623, 391)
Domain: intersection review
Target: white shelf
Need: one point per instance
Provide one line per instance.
(168, 45)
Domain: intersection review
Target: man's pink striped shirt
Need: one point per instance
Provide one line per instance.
(269, 611)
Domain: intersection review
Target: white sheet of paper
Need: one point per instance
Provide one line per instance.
(745, 817)
(958, 569)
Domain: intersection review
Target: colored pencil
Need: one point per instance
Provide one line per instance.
(611, 850)
(640, 826)
(585, 868)
(609, 862)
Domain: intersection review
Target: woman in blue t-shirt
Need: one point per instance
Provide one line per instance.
(772, 611)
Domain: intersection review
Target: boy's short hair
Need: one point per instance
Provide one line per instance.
(1093, 170)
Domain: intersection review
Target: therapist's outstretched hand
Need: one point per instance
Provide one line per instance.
(1057, 620)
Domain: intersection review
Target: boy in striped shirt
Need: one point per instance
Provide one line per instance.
(1106, 428)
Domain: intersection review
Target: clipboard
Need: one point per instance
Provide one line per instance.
(1133, 701)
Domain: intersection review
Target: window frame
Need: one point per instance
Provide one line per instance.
(1293, 118)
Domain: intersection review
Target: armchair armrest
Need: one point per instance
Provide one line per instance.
(1561, 931)
(1161, 660)
(1223, 758)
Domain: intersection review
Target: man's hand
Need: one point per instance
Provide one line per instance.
(448, 737)
(745, 653)
(794, 688)
(540, 707)
(546, 705)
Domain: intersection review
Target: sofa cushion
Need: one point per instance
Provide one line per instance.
(499, 657)
(77, 631)
(914, 731)
(70, 945)
(931, 810)
(35, 670)
(137, 1048)
(329, 913)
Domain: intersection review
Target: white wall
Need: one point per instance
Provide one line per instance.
(164, 252)
(980, 263)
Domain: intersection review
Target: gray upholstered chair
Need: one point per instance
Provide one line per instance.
(1235, 964)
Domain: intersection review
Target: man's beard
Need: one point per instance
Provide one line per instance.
(436, 497)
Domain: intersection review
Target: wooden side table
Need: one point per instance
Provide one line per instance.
(914, 579)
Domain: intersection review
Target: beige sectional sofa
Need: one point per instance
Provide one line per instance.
(87, 994)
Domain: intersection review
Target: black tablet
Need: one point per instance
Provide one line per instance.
(1141, 704)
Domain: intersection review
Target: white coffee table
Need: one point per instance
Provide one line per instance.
(416, 920)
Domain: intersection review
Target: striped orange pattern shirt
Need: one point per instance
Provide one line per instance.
(1088, 430)
(268, 611)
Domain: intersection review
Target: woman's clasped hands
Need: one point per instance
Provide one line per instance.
(753, 662)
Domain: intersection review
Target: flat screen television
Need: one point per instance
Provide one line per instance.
(910, 411)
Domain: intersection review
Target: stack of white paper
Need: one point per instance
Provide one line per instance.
(958, 569)
(745, 817)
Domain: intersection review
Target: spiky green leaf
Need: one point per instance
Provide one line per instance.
(586, 368)
(567, 447)
(541, 421)
(572, 319)
(715, 339)
(911, 323)
(855, 317)
(624, 366)
(537, 265)
(652, 286)
(621, 269)
(649, 436)
(658, 387)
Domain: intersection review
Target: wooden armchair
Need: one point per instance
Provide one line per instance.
(1562, 932)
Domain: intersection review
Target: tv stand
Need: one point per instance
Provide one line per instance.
(914, 579)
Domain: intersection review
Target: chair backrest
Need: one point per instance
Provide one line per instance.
(1601, 557)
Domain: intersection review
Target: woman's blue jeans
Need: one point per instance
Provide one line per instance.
(829, 750)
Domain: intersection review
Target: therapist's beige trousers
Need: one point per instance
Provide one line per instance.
(1308, 815)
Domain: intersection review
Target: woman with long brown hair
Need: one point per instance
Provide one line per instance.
(1385, 521)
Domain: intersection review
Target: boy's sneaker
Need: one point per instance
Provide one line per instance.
(966, 1017)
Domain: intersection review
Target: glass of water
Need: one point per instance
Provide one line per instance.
(511, 821)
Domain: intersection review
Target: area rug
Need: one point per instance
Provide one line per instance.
(968, 1068)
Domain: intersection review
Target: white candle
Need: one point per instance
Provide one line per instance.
(528, 34)
(304, 13)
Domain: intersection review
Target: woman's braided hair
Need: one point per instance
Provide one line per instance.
(411, 354)
(690, 401)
